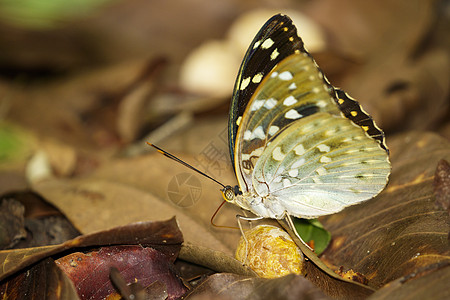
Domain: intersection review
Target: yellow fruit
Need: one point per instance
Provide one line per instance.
(271, 252)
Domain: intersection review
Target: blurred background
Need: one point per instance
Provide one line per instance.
(83, 85)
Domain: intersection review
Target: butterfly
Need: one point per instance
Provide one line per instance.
(299, 146)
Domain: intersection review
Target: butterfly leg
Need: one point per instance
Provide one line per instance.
(292, 227)
(238, 219)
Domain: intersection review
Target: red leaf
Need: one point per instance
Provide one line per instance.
(90, 272)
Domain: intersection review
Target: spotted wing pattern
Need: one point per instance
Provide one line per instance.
(276, 40)
(304, 147)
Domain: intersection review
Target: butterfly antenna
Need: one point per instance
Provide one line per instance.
(173, 157)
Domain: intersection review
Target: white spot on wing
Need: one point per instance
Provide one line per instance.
(274, 54)
(299, 150)
(293, 173)
(321, 171)
(286, 75)
(323, 148)
(277, 154)
(244, 83)
(270, 103)
(257, 78)
(258, 133)
(247, 135)
(238, 121)
(289, 100)
(292, 114)
(273, 129)
(325, 159)
(257, 152)
(293, 86)
(256, 44)
(267, 43)
(274, 74)
(256, 105)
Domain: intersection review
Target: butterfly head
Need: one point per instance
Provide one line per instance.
(229, 193)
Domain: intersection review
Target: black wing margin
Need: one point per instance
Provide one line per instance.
(276, 40)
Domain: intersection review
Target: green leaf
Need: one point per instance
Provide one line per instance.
(16, 144)
(312, 230)
(45, 13)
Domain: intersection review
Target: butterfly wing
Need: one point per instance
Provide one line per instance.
(276, 40)
(307, 145)
(319, 165)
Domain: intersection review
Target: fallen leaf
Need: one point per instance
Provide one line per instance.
(164, 236)
(42, 281)
(431, 283)
(441, 184)
(12, 223)
(90, 272)
(401, 229)
(232, 286)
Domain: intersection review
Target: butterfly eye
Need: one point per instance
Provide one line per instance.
(228, 193)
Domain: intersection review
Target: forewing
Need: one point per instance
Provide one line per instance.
(276, 40)
(295, 89)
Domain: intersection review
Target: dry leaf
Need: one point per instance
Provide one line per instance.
(42, 281)
(163, 236)
(90, 272)
(401, 229)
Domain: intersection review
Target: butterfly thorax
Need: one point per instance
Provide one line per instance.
(266, 206)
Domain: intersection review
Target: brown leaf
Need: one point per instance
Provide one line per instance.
(42, 281)
(90, 272)
(164, 236)
(404, 94)
(12, 223)
(431, 284)
(399, 74)
(364, 27)
(442, 184)
(232, 286)
(400, 230)
(123, 192)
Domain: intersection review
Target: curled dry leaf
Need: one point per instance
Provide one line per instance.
(90, 272)
(400, 230)
(214, 260)
(164, 236)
